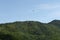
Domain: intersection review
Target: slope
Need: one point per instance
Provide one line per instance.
(29, 30)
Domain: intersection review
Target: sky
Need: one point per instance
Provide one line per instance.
(29, 10)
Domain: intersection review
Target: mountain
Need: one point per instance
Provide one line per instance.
(30, 30)
(55, 22)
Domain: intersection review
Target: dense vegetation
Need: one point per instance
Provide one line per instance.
(30, 30)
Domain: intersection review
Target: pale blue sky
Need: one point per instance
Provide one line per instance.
(23, 10)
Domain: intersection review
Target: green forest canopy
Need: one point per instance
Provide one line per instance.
(30, 30)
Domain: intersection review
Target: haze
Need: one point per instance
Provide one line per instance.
(25, 10)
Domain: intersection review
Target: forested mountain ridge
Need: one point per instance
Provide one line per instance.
(30, 30)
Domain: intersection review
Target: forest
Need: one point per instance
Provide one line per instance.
(30, 30)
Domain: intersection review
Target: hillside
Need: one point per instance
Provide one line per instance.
(30, 30)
